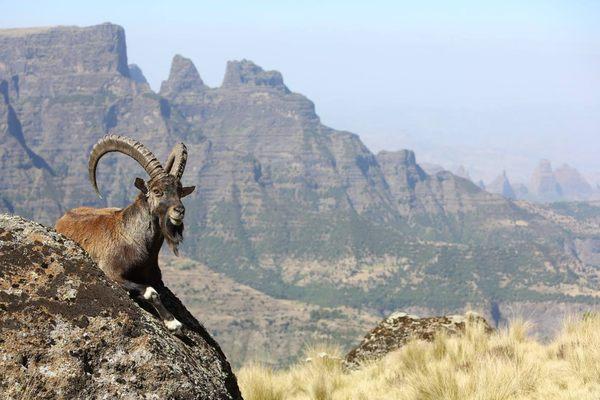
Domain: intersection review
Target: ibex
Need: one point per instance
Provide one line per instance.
(125, 242)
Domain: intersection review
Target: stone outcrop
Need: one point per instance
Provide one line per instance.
(399, 328)
(66, 332)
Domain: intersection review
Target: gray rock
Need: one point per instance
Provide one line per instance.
(399, 328)
(66, 332)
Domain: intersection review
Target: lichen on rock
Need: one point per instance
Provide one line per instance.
(399, 328)
(67, 332)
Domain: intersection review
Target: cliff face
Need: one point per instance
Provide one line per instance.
(418, 194)
(62, 53)
(67, 332)
(283, 203)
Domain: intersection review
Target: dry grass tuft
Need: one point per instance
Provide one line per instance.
(508, 364)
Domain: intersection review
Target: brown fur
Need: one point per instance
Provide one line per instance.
(125, 242)
(102, 233)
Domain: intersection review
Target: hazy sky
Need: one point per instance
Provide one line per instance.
(489, 84)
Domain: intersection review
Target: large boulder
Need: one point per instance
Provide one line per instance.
(67, 332)
(399, 328)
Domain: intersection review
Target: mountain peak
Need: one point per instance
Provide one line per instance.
(573, 184)
(135, 73)
(501, 185)
(183, 77)
(544, 183)
(245, 72)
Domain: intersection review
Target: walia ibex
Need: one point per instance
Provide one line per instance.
(125, 242)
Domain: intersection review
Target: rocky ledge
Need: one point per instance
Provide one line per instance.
(67, 332)
(396, 330)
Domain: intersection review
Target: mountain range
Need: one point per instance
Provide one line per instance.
(547, 185)
(287, 208)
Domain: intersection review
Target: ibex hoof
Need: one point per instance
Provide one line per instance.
(174, 325)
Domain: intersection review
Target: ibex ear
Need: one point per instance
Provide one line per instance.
(141, 185)
(187, 190)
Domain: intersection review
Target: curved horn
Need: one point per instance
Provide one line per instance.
(176, 161)
(128, 146)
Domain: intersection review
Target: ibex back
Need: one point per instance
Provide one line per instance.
(125, 242)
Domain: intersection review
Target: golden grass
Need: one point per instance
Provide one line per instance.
(508, 364)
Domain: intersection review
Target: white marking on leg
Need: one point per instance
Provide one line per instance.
(173, 325)
(150, 293)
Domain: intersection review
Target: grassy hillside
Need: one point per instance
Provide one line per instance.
(508, 364)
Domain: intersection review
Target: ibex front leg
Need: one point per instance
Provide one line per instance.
(150, 295)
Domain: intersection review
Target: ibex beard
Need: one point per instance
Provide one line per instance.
(125, 243)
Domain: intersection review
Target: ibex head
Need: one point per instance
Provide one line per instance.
(162, 192)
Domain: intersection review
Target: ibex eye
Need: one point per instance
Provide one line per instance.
(157, 192)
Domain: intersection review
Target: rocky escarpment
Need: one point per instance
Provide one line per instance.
(417, 193)
(66, 332)
(399, 328)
